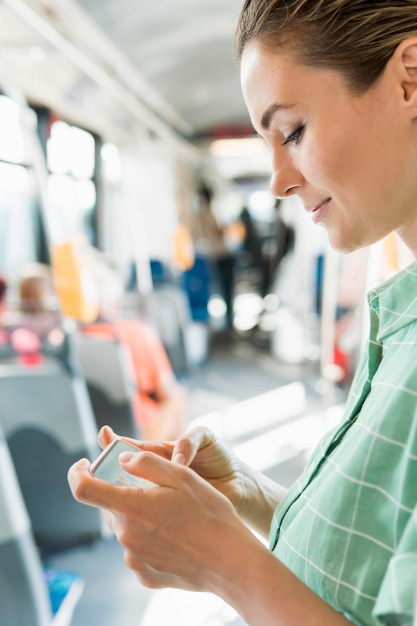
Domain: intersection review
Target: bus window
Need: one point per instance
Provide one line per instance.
(18, 214)
(70, 156)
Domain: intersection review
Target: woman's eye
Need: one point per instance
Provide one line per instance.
(294, 137)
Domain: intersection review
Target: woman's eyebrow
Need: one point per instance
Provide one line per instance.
(270, 112)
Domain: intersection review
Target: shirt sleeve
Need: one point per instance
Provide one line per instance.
(396, 602)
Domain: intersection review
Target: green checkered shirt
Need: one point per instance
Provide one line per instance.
(348, 526)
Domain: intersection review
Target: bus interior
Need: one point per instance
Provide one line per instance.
(119, 122)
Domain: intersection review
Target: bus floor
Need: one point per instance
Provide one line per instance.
(271, 413)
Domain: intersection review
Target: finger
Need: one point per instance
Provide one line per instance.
(78, 476)
(154, 468)
(106, 436)
(163, 448)
(187, 446)
(90, 490)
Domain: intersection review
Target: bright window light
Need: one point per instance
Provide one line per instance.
(112, 166)
(247, 309)
(216, 307)
(13, 178)
(70, 150)
(12, 146)
(261, 205)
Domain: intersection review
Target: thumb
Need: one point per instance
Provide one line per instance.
(190, 443)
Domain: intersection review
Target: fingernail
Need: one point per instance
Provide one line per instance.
(179, 458)
(125, 457)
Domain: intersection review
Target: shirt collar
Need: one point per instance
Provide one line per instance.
(395, 302)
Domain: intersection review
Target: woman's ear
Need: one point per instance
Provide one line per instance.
(408, 52)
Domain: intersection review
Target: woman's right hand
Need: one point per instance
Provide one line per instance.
(253, 495)
(202, 451)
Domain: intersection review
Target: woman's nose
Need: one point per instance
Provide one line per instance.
(286, 179)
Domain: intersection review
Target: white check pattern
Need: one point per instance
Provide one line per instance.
(348, 527)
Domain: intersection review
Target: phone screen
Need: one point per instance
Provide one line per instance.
(107, 467)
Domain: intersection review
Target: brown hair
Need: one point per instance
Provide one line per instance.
(353, 37)
(35, 286)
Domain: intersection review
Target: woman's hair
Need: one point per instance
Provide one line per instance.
(353, 37)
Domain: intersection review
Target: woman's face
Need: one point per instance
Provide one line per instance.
(351, 159)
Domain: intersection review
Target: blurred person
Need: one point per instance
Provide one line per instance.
(3, 291)
(36, 290)
(160, 405)
(37, 313)
(218, 251)
(251, 244)
(279, 243)
(331, 85)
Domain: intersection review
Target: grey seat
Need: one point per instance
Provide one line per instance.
(24, 599)
(108, 373)
(168, 312)
(48, 423)
(29, 594)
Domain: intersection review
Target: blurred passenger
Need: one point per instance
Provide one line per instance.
(36, 291)
(38, 312)
(279, 243)
(252, 244)
(159, 406)
(3, 290)
(218, 251)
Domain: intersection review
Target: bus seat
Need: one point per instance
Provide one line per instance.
(48, 422)
(161, 274)
(108, 373)
(23, 594)
(185, 340)
(197, 282)
(30, 595)
(169, 313)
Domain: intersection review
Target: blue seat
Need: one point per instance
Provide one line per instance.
(161, 274)
(197, 283)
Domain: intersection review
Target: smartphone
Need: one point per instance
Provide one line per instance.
(107, 467)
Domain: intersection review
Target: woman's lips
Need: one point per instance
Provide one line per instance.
(317, 211)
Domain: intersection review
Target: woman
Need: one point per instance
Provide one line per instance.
(331, 85)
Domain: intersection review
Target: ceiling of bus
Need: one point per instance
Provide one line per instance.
(110, 64)
(185, 49)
